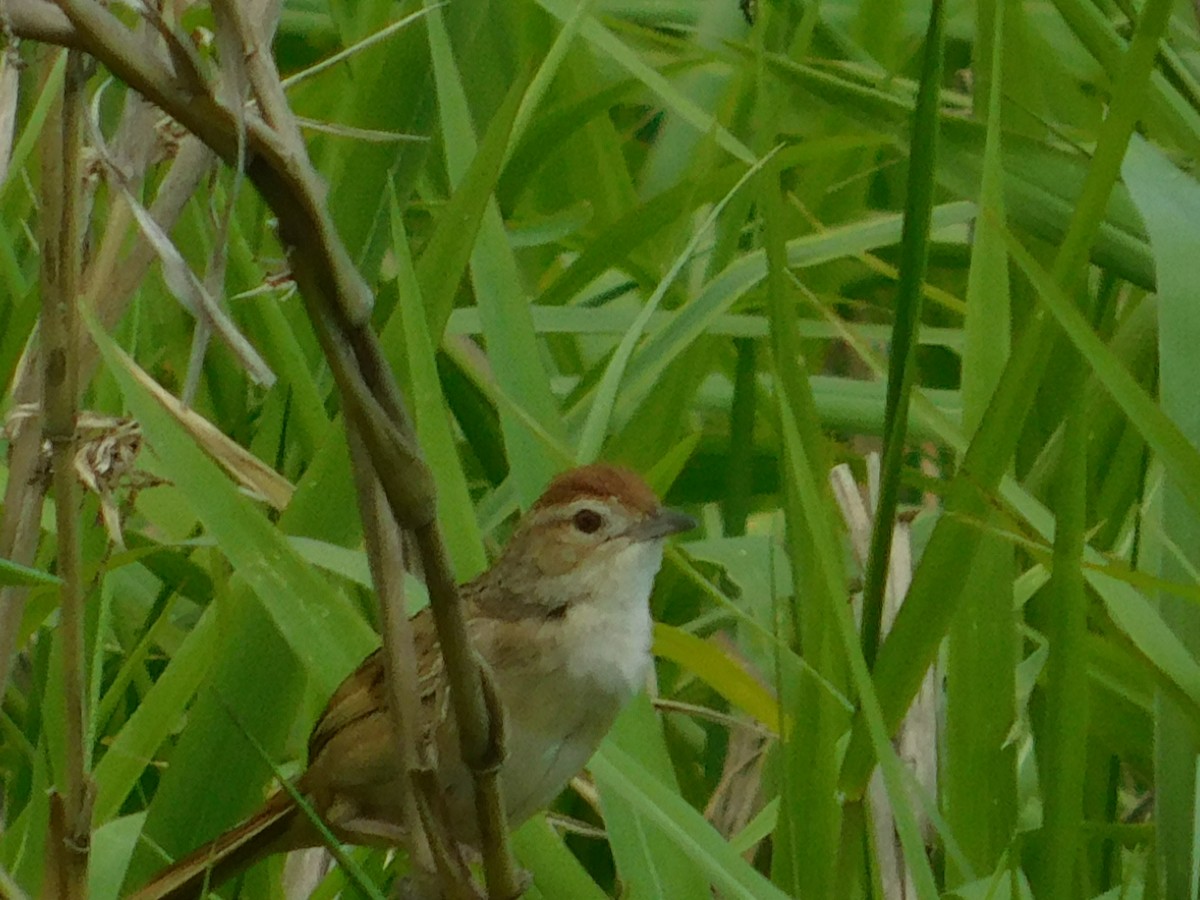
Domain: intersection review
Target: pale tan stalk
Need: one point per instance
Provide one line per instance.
(61, 267)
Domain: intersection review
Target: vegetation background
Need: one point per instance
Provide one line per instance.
(654, 232)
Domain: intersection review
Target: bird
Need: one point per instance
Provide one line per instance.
(561, 619)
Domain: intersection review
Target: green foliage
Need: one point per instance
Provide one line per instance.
(654, 233)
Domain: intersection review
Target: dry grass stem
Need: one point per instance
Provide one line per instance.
(62, 248)
(338, 302)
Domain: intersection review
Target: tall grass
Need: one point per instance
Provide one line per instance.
(659, 234)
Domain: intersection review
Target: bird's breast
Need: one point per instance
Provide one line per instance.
(608, 648)
(578, 673)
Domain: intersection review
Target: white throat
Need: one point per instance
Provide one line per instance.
(611, 633)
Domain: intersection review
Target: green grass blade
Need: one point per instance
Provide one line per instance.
(810, 816)
(1060, 612)
(924, 618)
(288, 589)
(914, 254)
(1167, 110)
(596, 426)
(646, 854)
(689, 833)
(456, 512)
(710, 664)
(1178, 455)
(448, 250)
(1170, 202)
(216, 774)
(979, 768)
(155, 718)
(609, 45)
(1043, 182)
(507, 323)
(559, 873)
(12, 573)
(731, 284)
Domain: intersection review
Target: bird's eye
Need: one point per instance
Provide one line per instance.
(588, 521)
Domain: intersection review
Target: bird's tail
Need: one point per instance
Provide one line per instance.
(273, 829)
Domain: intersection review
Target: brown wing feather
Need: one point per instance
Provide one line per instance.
(363, 696)
(351, 775)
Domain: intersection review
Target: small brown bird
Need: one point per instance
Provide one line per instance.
(563, 620)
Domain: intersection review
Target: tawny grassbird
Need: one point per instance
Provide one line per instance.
(562, 619)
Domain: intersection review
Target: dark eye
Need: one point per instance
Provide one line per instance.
(588, 521)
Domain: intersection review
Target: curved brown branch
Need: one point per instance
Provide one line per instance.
(339, 303)
(39, 20)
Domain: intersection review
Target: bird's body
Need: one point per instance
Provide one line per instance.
(562, 620)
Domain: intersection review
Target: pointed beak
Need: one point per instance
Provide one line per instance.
(660, 524)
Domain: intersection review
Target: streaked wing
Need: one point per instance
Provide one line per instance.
(363, 695)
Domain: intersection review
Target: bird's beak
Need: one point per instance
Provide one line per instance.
(660, 524)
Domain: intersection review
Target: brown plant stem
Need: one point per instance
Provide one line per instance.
(61, 267)
(385, 554)
(109, 283)
(478, 713)
(339, 303)
(479, 719)
(39, 20)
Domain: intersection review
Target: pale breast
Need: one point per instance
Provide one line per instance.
(599, 653)
(612, 648)
(564, 680)
(611, 631)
